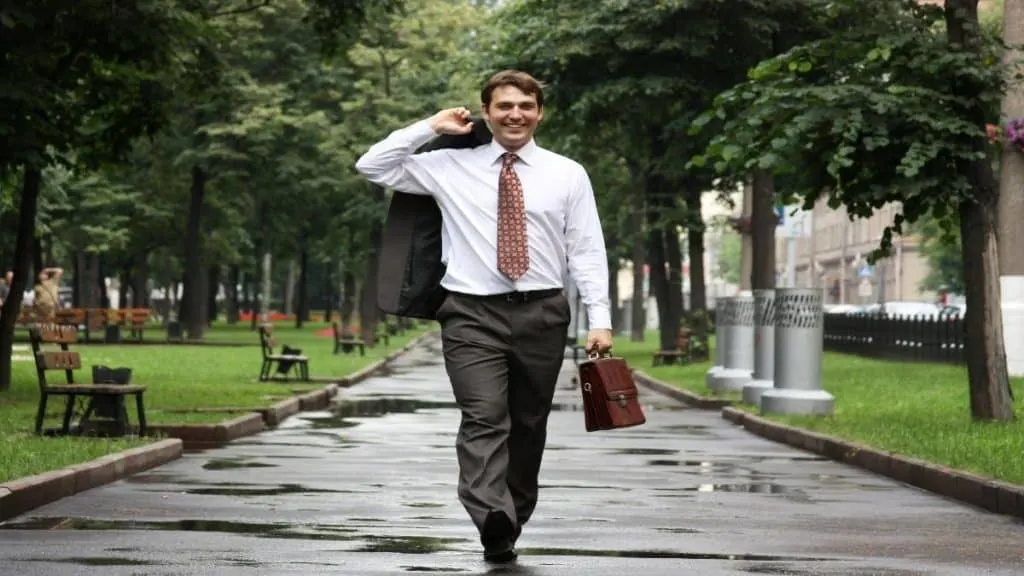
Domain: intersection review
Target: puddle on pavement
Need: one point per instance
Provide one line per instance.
(407, 544)
(679, 530)
(92, 561)
(666, 554)
(748, 487)
(423, 505)
(784, 570)
(343, 412)
(433, 569)
(371, 406)
(584, 487)
(268, 530)
(694, 428)
(232, 464)
(278, 490)
(645, 451)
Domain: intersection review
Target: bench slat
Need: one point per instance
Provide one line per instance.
(60, 360)
(58, 334)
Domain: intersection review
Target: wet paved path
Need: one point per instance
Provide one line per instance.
(370, 490)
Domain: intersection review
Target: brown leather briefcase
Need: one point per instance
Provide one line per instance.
(610, 396)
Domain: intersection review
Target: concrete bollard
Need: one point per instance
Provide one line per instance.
(720, 343)
(764, 347)
(738, 364)
(799, 333)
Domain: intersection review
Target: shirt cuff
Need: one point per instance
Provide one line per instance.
(599, 318)
(422, 131)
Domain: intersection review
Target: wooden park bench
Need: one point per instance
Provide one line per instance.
(284, 360)
(134, 320)
(345, 342)
(668, 357)
(682, 353)
(67, 361)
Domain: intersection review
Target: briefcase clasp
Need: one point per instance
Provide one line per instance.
(586, 386)
(623, 401)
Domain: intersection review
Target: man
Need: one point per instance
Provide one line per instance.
(517, 218)
(46, 299)
(5, 286)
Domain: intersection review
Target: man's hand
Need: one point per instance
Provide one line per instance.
(599, 341)
(452, 121)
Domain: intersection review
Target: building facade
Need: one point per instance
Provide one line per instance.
(834, 254)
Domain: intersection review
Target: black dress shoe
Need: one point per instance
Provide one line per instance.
(501, 554)
(498, 537)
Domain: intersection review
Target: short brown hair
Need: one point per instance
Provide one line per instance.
(528, 84)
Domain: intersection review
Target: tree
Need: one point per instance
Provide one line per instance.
(80, 79)
(887, 109)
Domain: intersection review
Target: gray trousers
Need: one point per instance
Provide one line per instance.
(503, 358)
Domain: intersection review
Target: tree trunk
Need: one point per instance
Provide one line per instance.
(212, 289)
(77, 285)
(747, 248)
(659, 284)
(92, 281)
(123, 284)
(329, 286)
(991, 398)
(231, 295)
(101, 282)
(31, 182)
(37, 257)
(674, 261)
(140, 283)
(368, 298)
(348, 298)
(638, 322)
(762, 232)
(267, 286)
(301, 297)
(192, 296)
(247, 294)
(695, 244)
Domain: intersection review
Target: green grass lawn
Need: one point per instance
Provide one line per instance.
(178, 378)
(916, 409)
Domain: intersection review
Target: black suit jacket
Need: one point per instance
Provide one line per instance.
(410, 270)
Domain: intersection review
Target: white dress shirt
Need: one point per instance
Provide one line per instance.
(562, 224)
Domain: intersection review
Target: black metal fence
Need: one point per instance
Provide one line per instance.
(927, 338)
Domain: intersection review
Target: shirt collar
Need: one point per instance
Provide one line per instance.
(526, 154)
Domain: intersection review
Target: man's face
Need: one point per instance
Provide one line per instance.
(512, 116)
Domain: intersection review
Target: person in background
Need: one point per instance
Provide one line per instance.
(5, 286)
(46, 291)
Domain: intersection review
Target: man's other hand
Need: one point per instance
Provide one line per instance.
(599, 341)
(452, 121)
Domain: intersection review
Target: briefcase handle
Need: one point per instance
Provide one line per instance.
(595, 355)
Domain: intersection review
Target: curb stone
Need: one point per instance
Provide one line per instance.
(200, 436)
(24, 494)
(691, 399)
(991, 495)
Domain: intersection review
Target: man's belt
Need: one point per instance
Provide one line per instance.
(517, 297)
